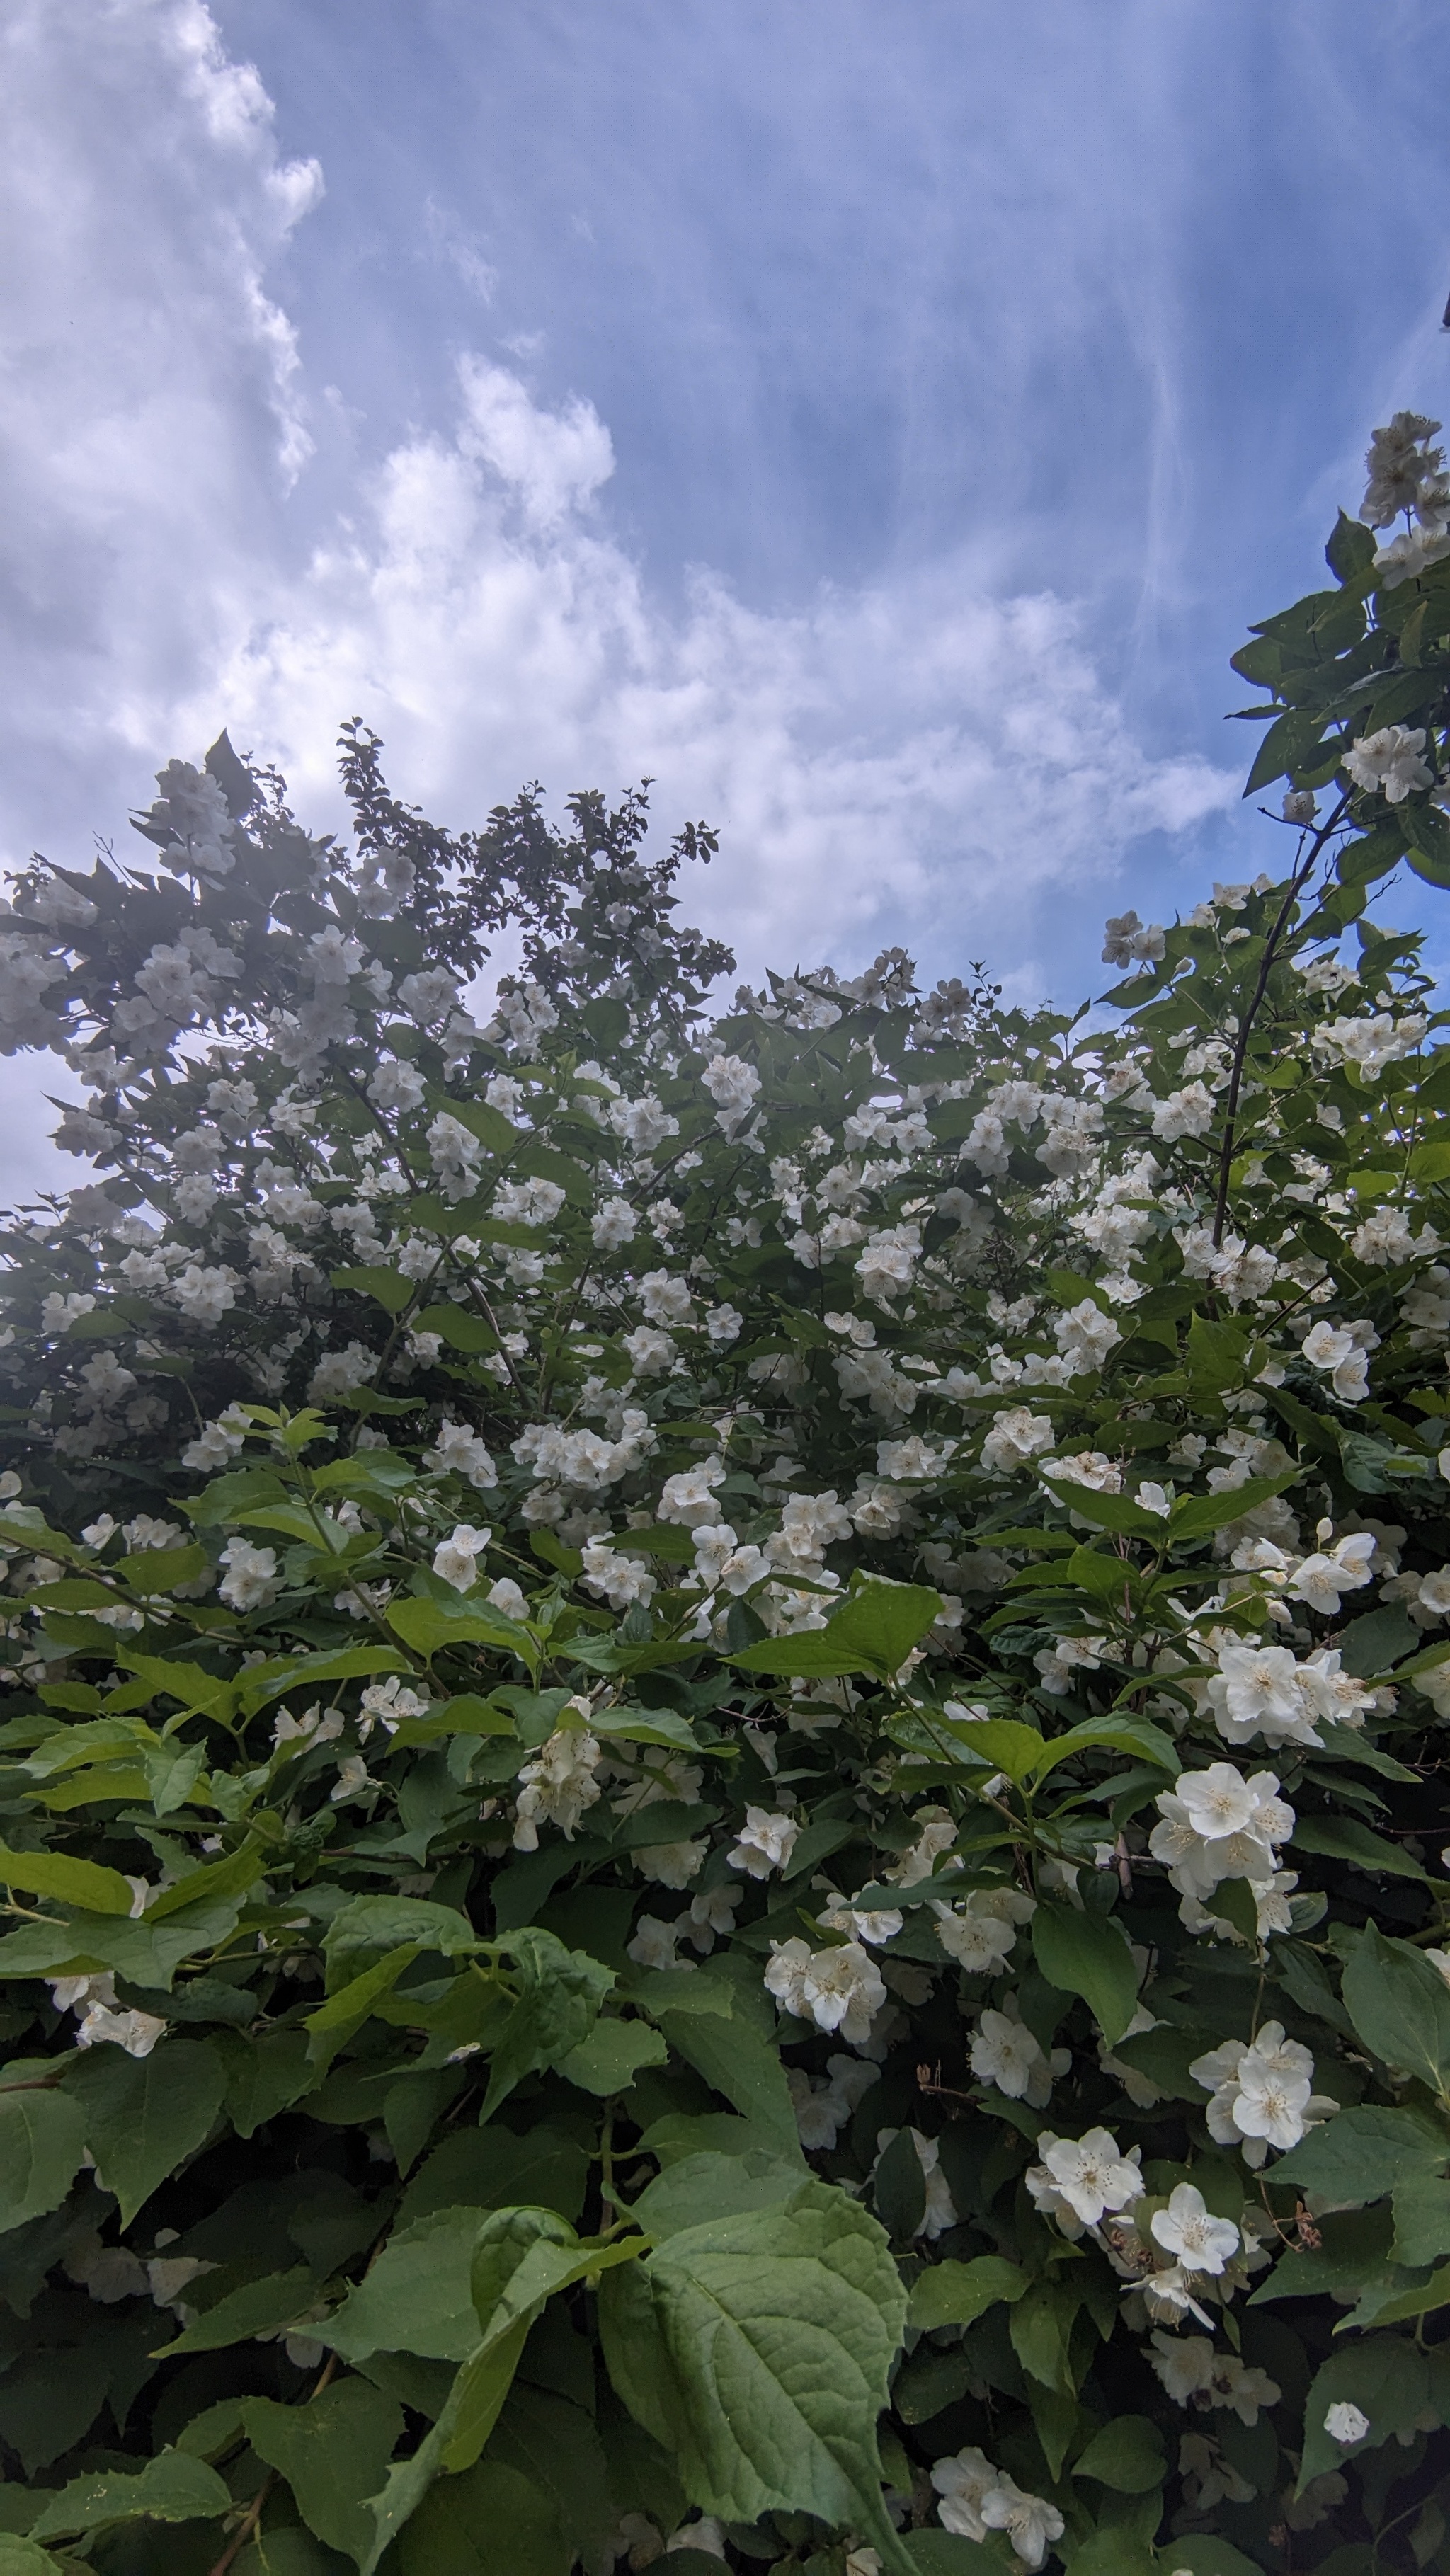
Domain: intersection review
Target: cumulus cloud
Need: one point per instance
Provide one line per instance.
(197, 542)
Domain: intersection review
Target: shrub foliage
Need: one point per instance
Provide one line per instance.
(721, 1768)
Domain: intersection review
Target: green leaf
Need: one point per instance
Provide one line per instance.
(416, 2296)
(372, 1923)
(74, 1882)
(706, 2186)
(1364, 2152)
(42, 2141)
(258, 2308)
(1400, 2006)
(1196, 1515)
(778, 2329)
(1103, 1511)
(743, 2066)
(1385, 2376)
(873, 1632)
(1127, 2455)
(1087, 1954)
(173, 2487)
(1040, 2327)
(1345, 1838)
(369, 1279)
(956, 2294)
(21, 2557)
(1422, 2219)
(559, 1995)
(332, 2452)
(428, 1626)
(1134, 1735)
(489, 2518)
(144, 2115)
(332, 2025)
(612, 2055)
(268, 1681)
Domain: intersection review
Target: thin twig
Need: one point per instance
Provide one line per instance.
(1296, 882)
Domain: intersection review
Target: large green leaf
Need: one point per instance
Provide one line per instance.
(1386, 2376)
(144, 2115)
(416, 2297)
(332, 2453)
(873, 1632)
(956, 2294)
(42, 2141)
(777, 2331)
(490, 2518)
(1127, 2455)
(1087, 1954)
(558, 1999)
(74, 1882)
(1400, 2006)
(245, 2314)
(172, 2487)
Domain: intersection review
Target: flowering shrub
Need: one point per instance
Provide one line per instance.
(721, 1768)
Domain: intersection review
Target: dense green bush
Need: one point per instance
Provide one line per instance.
(722, 1764)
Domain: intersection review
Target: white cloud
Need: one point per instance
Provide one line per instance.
(194, 543)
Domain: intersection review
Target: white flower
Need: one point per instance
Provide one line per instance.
(1321, 1579)
(1085, 1335)
(1005, 2054)
(765, 1843)
(888, 1262)
(1217, 1825)
(961, 2482)
(205, 1295)
(1127, 942)
(455, 1559)
(838, 1989)
(665, 1300)
(650, 1351)
(615, 1577)
(822, 2110)
(1390, 760)
(458, 1451)
(1300, 805)
(688, 1497)
(721, 1564)
(398, 1086)
(1342, 1351)
(670, 1864)
(529, 1202)
(135, 2031)
(938, 1834)
(732, 1085)
(251, 1580)
(809, 1524)
(1372, 1040)
(652, 1944)
(1346, 2423)
(1080, 2179)
(614, 1224)
(353, 1780)
(1261, 2093)
(1015, 1439)
(1187, 2229)
(1188, 1112)
(1030, 2523)
(455, 1153)
(723, 1324)
(978, 1941)
(559, 1785)
(219, 1442)
(1184, 2364)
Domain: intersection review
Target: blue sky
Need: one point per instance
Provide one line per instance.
(880, 422)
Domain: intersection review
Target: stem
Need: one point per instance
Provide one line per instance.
(1271, 944)
(246, 2527)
